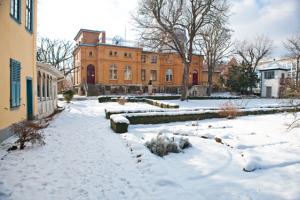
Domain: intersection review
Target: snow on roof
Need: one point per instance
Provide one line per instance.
(273, 66)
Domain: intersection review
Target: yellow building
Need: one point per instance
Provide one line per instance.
(111, 68)
(18, 23)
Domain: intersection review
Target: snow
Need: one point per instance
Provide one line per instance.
(119, 119)
(84, 159)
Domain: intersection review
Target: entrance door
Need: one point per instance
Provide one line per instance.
(91, 74)
(195, 77)
(269, 92)
(29, 98)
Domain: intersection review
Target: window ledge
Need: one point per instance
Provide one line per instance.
(16, 20)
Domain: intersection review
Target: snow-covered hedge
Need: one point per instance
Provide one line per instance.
(161, 104)
(119, 123)
(161, 145)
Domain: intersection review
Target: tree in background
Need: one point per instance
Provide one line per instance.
(293, 47)
(57, 53)
(172, 25)
(241, 78)
(252, 52)
(215, 44)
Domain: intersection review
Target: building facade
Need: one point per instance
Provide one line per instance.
(18, 19)
(273, 80)
(102, 68)
(47, 79)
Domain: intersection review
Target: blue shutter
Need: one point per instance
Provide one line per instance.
(15, 84)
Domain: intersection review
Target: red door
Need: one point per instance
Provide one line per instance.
(91, 74)
(195, 77)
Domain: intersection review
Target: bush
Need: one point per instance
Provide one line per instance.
(121, 101)
(228, 110)
(68, 95)
(26, 132)
(161, 145)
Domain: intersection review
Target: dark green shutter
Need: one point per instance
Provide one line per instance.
(15, 83)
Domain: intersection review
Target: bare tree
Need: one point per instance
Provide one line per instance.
(215, 44)
(293, 46)
(57, 53)
(172, 25)
(252, 52)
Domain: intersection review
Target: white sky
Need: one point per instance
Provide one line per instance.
(62, 19)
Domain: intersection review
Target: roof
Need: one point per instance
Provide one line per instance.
(50, 69)
(274, 66)
(86, 30)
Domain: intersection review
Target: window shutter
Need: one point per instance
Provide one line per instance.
(15, 97)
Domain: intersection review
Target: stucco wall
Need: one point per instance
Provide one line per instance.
(17, 43)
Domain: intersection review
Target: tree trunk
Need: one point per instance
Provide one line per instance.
(209, 79)
(297, 71)
(185, 81)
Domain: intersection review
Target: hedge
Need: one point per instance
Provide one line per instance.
(165, 118)
(103, 99)
(118, 127)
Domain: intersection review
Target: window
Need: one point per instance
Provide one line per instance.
(169, 75)
(127, 73)
(153, 75)
(129, 55)
(143, 74)
(15, 9)
(39, 84)
(115, 53)
(154, 59)
(29, 15)
(91, 54)
(125, 54)
(15, 76)
(113, 72)
(143, 58)
(269, 75)
(110, 53)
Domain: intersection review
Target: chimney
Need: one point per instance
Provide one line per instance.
(102, 37)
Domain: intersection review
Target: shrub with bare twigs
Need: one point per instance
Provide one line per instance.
(228, 110)
(122, 101)
(26, 132)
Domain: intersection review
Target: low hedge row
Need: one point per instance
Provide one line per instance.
(103, 99)
(161, 104)
(163, 118)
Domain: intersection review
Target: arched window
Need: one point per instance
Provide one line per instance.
(127, 73)
(91, 54)
(169, 75)
(113, 72)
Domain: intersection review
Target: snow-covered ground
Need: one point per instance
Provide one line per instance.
(84, 159)
(248, 103)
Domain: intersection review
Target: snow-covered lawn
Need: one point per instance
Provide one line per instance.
(248, 103)
(84, 159)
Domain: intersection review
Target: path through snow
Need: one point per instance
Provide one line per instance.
(82, 159)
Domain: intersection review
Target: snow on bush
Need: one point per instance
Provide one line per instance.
(251, 164)
(161, 145)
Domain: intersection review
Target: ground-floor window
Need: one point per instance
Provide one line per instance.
(143, 74)
(169, 75)
(127, 73)
(153, 75)
(113, 71)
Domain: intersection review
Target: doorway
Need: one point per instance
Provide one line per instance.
(90, 74)
(29, 98)
(195, 77)
(269, 92)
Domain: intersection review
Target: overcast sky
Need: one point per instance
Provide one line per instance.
(62, 19)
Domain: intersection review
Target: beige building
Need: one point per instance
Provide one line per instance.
(18, 23)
